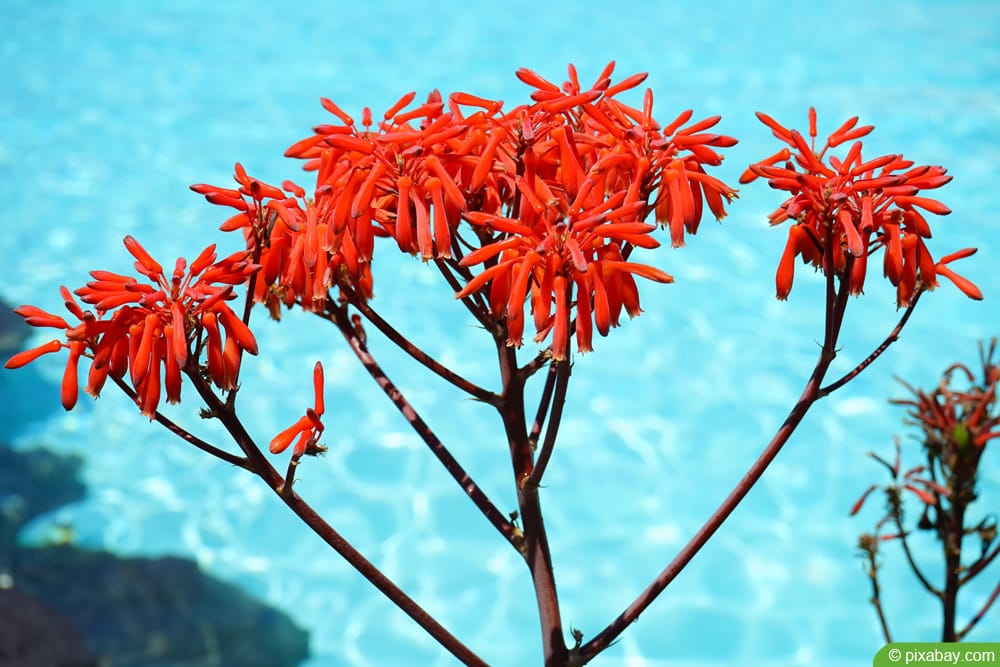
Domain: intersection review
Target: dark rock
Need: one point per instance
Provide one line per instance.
(139, 612)
(33, 482)
(158, 612)
(32, 635)
(13, 330)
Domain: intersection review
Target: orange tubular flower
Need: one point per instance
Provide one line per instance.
(293, 241)
(400, 179)
(856, 207)
(308, 428)
(396, 180)
(146, 329)
(89, 326)
(557, 193)
(563, 187)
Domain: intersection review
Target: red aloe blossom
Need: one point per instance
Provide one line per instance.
(400, 179)
(395, 180)
(76, 342)
(147, 329)
(549, 261)
(292, 239)
(308, 428)
(858, 206)
(551, 189)
(572, 179)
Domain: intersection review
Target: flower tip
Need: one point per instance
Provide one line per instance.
(966, 286)
(25, 357)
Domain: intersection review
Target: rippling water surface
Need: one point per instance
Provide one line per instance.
(109, 110)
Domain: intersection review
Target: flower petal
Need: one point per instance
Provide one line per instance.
(27, 356)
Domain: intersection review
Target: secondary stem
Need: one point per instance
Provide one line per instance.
(260, 466)
(604, 638)
(836, 305)
(404, 344)
(339, 317)
(562, 372)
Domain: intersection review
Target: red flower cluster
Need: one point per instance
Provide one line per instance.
(956, 426)
(147, 329)
(578, 173)
(396, 180)
(556, 193)
(956, 421)
(855, 206)
(300, 249)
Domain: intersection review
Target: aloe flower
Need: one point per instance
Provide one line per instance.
(858, 207)
(147, 329)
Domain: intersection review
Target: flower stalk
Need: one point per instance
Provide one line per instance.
(539, 218)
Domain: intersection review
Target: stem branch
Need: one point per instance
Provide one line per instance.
(338, 316)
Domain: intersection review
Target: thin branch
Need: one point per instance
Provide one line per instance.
(980, 565)
(543, 406)
(338, 316)
(418, 354)
(260, 466)
(889, 340)
(541, 359)
(286, 489)
(478, 310)
(563, 370)
(182, 433)
(604, 638)
(979, 615)
(876, 599)
(911, 561)
(835, 307)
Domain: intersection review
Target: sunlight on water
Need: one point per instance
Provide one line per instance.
(110, 111)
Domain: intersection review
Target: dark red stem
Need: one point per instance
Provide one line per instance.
(260, 466)
(536, 546)
(562, 373)
(429, 362)
(338, 316)
(836, 304)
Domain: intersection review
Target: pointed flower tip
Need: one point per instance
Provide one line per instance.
(141, 256)
(25, 357)
(965, 285)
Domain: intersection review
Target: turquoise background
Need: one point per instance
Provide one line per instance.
(110, 110)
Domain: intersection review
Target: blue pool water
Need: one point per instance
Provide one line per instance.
(109, 110)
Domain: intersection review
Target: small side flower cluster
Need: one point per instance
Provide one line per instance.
(956, 425)
(556, 194)
(302, 251)
(844, 210)
(146, 329)
(307, 430)
(914, 480)
(956, 420)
